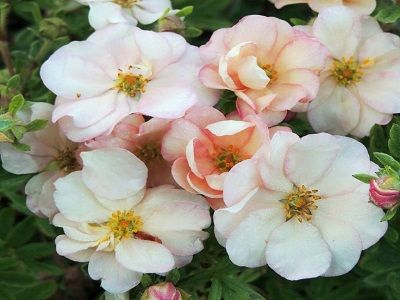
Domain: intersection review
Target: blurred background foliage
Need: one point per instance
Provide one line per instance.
(29, 268)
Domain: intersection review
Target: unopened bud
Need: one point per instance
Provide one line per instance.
(163, 291)
(171, 23)
(52, 28)
(382, 192)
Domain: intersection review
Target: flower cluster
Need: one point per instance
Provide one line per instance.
(134, 154)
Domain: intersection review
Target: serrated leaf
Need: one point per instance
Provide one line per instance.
(390, 214)
(35, 250)
(36, 125)
(394, 141)
(14, 82)
(193, 32)
(387, 160)
(17, 279)
(389, 14)
(173, 276)
(41, 291)
(22, 232)
(366, 178)
(16, 104)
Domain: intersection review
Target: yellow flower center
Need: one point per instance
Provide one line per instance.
(149, 153)
(300, 203)
(226, 158)
(131, 84)
(126, 3)
(270, 72)
(349, 71)
(124, 224)
(66, 161)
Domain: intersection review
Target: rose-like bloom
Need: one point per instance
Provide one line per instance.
(118, 71)
(143, 139)
(105, 12)
(383, 192)
(360, 84)
(362, 7)
(267, 63)
(51, 155)
(121, 229)
(298, 209)
(162, 291)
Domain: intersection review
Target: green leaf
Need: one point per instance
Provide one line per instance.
(7, 263)
(193, 32)
(296, 21)
(394, 140)
(215, 290)
(29, 10)
(146, 280)
(41, 291)
(390, 214)
(17, 279)
(18, 131)
(173, 276)
(366, 178)
(378, 140)
(45, 228)
(22, 232)
(22, 147)
(14, 82)
(16, 104)
(389, 14)
(6, 124)
(387, 160)
(36, 125)
(40, 267)
(185, 11)
(7, 217)
(36, 250)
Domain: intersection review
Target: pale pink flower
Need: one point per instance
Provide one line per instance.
(213, 152)
(362, 7)
(143, 139)
(105, 12)
(123, 230)
(118, 71)
(268, 64)
(51, 155)
(298, 209)
(162, 291)
(360, 83)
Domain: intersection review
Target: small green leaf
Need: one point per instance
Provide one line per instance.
(18, 131)
(193, 32)
(7, 216)
(387, 160)
(146, 280)
(29, 10)
(297, 21)
(22, 232)
(390, 214)
(41, 291)
(36, 125)
(35, 250)
(215, 290)
(17, 279)
(394, 140)
(173, 276)
(389, 14)
(22, 147)
(14, 82)
(6, 124)
(187, 10)
(16, 104)
(366, 178)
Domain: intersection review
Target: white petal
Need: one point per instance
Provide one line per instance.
(297, 251)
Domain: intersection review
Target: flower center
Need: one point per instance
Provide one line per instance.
(349, 71)
(66, 161)
(270, 72)
(226, 158)
(300, 203)
(126, 3)
(149, 152)
(124, 224)
(131, 84)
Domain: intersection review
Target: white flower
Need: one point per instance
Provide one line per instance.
(298, 209)
(360, 83)
(121, 230)
(121, 70)
(105, 12)
(51, 154)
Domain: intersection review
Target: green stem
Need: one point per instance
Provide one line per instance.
(4, 47)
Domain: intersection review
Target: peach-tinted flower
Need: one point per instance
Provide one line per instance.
(144, 139)
(105, 12)
(123, 230)
(360, 83)
(362, 7)
(297, 208)
(268, 64)
(51, 155)
(211, 154)
(118, 71)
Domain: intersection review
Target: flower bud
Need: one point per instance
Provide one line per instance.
(382, 192)
(53, 27)
(163, 291)
(171, 23)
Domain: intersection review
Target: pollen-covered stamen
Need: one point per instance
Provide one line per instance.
(300, 203)
(66, 161)
(148, 153)
(226, 158)
(131, 84)
(126, 3)
(349, 71)
(270, 72)
(124, 224)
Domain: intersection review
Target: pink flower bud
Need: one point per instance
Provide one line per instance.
(382, 194)
(162, 291)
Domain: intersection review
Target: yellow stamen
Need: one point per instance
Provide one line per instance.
(66, 161)
(226, 158)
(349, 71)
(126, 3)
(148, 153)
(271, 73)
(124, 224)
(131, 84)
(300, 203)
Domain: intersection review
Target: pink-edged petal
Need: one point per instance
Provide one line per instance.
(66, 246)
(144, 256)
(286, 96)
(102, 14)
(180, 170)
(201, 186)
(250, 73)
(202, 116)
(304, 77)
(216, 181)
(114, 277)
(246, 244)
(296, 250)
(210, 77)
(368, 118)
(310, 158)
